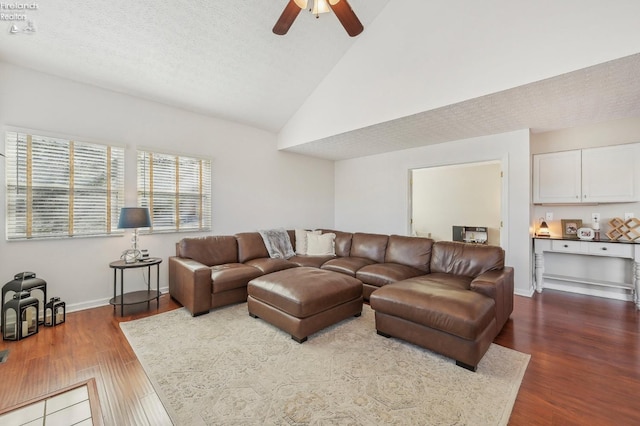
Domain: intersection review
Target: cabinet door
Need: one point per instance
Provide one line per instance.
(557, 177)
(610, 174)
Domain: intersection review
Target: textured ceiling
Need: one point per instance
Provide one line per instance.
(220, 58)
(604, 92)
(217, 57)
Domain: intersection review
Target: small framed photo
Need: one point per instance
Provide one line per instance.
(586, 234)
(570, 227)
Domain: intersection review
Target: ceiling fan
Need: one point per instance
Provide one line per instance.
(341, 8)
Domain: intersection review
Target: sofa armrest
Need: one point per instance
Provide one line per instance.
(498, 285)
(190, 284)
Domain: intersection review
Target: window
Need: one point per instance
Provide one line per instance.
(177, 190)
(61, 188)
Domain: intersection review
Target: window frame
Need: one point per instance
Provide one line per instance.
(112, 161)
(149, 197)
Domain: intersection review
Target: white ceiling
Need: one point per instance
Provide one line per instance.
(216, 57)
(220, 58)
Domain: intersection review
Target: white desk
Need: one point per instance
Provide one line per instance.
(622, 250)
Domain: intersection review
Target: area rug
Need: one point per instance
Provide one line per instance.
(226, 368)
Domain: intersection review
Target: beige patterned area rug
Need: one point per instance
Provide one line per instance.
(226, 368)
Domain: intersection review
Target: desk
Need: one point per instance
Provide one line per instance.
(606, 248)
(135, 297)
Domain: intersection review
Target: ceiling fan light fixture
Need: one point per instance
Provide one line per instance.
(340, 8)
(320, 6)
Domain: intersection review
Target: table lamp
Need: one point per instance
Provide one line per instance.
(134, 218)
(543, 230)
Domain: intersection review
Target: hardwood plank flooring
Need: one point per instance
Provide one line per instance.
(584, 369)
(585, 364)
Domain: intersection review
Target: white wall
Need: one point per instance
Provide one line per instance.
(598, 134)
(419, 55)
(462, 194)
(254, 185)
(372, 193)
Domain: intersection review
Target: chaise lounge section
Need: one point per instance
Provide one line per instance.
(457, 310)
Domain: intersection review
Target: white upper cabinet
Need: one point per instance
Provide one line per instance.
(595, 175)
(610, 174)
(556, 177)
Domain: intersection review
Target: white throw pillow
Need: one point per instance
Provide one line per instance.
(321, 245)
(301, 240)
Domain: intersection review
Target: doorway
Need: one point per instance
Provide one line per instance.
(457, 195)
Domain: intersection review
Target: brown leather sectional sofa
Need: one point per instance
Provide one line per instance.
(450, 297)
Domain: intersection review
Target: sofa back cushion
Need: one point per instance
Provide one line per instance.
(465, 259)
(369, 246)
(410, 251)
(211, 250)
(292, 238)
(342, 242)
(250, 246)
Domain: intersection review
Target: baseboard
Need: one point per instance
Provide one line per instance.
(74, 307)
(607, 293)
(524, 293)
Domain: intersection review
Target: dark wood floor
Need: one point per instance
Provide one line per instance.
(584, 368)
(585, 360)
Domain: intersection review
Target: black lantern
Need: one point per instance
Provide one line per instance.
(27, 281)
(54, 312)
(20, 316)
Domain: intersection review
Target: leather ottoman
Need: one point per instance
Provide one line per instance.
(304, 300)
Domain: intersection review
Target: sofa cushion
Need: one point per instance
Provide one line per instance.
(342, 242)
(232, 275)
(410, 251)
(268, 265)
(314, 261)
(465, 259)
(369, 246)
(459, 282)
(347, 265)
(300, 240)
(211, 250)
(250, 246)
(321, 245)
(379, 274)
(462, 313)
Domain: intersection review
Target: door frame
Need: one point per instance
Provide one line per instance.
(504, 194)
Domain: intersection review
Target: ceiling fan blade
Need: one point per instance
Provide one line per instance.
(346, 16)
(286, 19)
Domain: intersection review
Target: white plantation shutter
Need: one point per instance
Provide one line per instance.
(61, 188)
(177, 190)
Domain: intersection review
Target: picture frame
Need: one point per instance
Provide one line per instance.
(586, 234)
(570, 227)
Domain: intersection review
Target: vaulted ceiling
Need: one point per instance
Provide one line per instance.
(221, 59)
(216, 57)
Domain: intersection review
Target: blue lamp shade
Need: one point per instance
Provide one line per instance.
(134, 217)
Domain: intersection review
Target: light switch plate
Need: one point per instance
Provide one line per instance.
(548, 217)
(628, 216)
(595, 217)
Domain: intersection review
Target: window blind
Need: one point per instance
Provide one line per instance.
(61, 188)
(177, 190)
